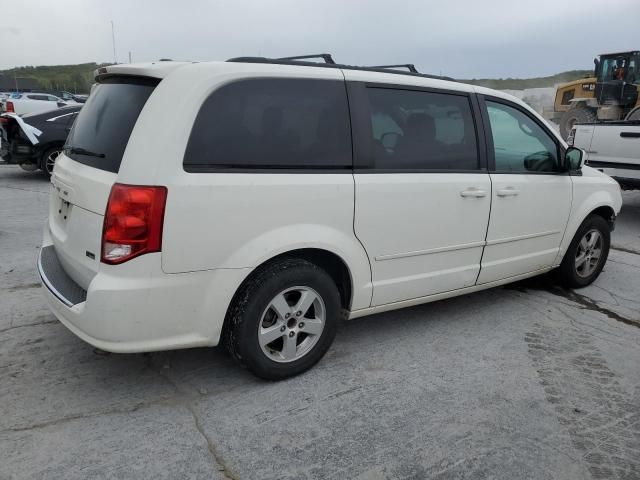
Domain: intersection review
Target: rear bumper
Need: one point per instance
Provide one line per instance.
(139, 308)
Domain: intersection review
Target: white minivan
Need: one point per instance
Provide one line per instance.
(257, 202)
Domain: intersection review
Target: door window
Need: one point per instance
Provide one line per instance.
(519, 143)
(272, 123)
(417, 130)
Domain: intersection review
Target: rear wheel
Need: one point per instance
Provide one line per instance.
(283, 320)
(575, 115)
(48, 159)
(587, 253)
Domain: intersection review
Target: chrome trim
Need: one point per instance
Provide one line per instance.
(464, 246)
(416, 253)
(522, 237)
(49, 285)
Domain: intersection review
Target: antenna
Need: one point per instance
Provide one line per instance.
(113, 41)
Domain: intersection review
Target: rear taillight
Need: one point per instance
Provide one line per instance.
(9, 107)
(133, 222)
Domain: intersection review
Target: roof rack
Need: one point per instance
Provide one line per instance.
(330, 63)
(409, 66)
(325, 56)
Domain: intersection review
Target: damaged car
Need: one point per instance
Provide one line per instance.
(34, 141)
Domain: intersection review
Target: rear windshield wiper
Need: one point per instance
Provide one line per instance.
(83, 151)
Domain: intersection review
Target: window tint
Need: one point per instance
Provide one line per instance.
(520, 144)
(104, 124)
(272, 123)
(421, 130)
(38, 97)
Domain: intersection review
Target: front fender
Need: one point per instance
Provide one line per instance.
(591, 191)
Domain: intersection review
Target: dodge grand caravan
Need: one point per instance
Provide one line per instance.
(279, 196)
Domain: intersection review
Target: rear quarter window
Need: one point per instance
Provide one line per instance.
(104, 124)
(272, 124)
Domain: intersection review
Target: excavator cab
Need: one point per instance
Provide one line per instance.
(617, 79)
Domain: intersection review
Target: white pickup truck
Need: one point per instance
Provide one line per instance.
(611, 147)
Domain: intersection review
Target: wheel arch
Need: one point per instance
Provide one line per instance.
(600, 203)
(330, 261)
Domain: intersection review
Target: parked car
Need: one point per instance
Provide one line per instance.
(280, 196)
(612, 148)
(68, 96)
(16, 146)
(24, 103)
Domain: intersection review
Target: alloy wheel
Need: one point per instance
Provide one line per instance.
(292, 324)
(50, 161)
(588, 253)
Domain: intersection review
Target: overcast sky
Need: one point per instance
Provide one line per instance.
(460, 38)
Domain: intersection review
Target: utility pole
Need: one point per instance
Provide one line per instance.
(129, 56)
(113, 41)
(15, 79)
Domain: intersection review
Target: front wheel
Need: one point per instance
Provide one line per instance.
(283, 320)
(587, 253)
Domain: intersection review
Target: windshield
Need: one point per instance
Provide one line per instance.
(102, 129)
(620, 68)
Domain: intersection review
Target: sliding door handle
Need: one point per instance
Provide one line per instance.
(508, 192)
(473, 192)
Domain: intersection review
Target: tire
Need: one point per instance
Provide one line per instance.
(573, 274)
(575, 115)
(48, 159)
(252, 314)
(28, 167)
(633, 114)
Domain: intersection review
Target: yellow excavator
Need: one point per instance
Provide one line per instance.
(613, 93)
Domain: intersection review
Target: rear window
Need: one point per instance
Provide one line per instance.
(104, 124)
(272, 123)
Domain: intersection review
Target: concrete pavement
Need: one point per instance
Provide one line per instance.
(527, 381)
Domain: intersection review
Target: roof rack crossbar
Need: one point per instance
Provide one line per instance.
(325, 56)
(300, 61)
(409, 66)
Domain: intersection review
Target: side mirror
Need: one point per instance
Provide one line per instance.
(62, 104)
(573, 159)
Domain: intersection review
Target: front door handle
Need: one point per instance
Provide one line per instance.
(473, 192)
(508, 192)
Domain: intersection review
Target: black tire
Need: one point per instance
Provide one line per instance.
(633, 114)
(568, 273)
(245, 316)
(575, 115)
(45, 165)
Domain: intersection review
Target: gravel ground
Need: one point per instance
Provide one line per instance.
(525, 381)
